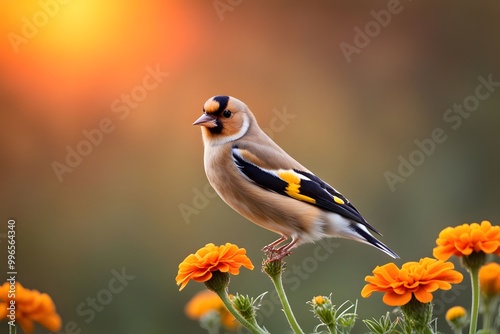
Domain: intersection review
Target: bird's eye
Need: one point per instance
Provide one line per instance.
(226, 113)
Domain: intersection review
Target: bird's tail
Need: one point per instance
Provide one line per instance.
(364, 236)
(350, 229)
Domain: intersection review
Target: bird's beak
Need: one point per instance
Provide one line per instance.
(206, 120)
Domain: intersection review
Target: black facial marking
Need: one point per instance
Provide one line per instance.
(216, 129)
(223, 101)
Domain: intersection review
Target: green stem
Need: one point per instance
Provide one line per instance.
(474, 277)
(332, 329)
(488, 311)
(252, 327)
(278, 284)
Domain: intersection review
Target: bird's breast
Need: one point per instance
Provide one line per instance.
(275, 212)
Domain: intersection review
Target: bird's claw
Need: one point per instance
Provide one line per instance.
(268, 249)
(275, 254)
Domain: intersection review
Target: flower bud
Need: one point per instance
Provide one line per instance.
(457, 318)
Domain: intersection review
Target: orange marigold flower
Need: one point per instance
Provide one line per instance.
(489, 279)
(465, 239)
(419, 279)
(199, 266)
(206, 301)
(30, 306)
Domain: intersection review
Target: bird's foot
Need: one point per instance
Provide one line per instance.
(269, 249)
(276, 254)
(272, 246)
(279, 255)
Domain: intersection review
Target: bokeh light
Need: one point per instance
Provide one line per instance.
(86, 49)
(119, 205)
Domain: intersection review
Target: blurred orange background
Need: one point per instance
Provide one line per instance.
(133, 76)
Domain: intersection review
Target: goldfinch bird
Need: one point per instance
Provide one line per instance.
(259, 180)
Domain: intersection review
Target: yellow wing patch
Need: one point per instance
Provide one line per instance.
(293, 188)
(338, 200)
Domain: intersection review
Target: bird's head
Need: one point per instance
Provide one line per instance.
(224, 119)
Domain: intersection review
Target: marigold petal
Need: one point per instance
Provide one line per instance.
(53, 322)
(443, 253)
(421, 278)
(3, 310)
(387, 271)
(436, 267)
(182, 284)
(203, 277)
(393, 299)
(231, 251)
(463, 247)
(488, 247)
(369, 289)
(247, 264)
(423, 296)
(452, 277)
(31, 306)
(377, 280)
(465, 239)
(223, 267)
(400, 289)
(432, 286)
(199, 266)
(485, 225)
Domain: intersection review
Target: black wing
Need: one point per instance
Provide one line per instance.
(300, 185)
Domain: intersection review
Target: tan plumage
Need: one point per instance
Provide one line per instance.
(259, 180)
